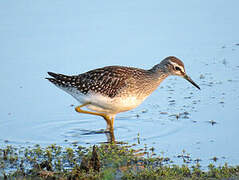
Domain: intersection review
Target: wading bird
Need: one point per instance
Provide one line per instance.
(110, 90)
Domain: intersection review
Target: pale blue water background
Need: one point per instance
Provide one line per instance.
(72, 37)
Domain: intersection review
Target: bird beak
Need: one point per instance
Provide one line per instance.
(191, 81)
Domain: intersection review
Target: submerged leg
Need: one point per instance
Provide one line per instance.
(110, 136)
(109, 120)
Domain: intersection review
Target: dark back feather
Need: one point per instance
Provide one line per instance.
(106, 81)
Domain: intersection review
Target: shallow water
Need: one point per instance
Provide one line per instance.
(72, 38)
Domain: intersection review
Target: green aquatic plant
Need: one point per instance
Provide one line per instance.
(106, 161)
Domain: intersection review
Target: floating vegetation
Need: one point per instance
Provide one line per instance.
(212, 122)
(106, 161)
(183, 115)
(202, 76)
(144, 111)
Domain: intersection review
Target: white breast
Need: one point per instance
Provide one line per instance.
(115, 105)
(100, 103)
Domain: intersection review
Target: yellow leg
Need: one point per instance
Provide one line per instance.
(109, 120)
(110, 125)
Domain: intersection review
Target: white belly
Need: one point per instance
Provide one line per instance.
(106, 104)
(116, 105)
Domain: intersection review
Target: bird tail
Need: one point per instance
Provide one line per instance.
(59, 79)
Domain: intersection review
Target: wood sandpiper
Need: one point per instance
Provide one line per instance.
(110, 90)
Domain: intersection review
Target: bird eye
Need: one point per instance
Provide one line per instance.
(177, 68)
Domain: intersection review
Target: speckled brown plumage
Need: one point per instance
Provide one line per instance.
(106, 81)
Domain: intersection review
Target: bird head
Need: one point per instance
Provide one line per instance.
(174, 66)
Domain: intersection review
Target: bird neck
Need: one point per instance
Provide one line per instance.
(159, 72)
(150, 82)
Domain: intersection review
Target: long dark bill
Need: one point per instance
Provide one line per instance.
(191, 81)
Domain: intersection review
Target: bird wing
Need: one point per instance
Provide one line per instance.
(106, 81)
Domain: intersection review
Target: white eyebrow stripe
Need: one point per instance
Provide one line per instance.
(175, 64)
